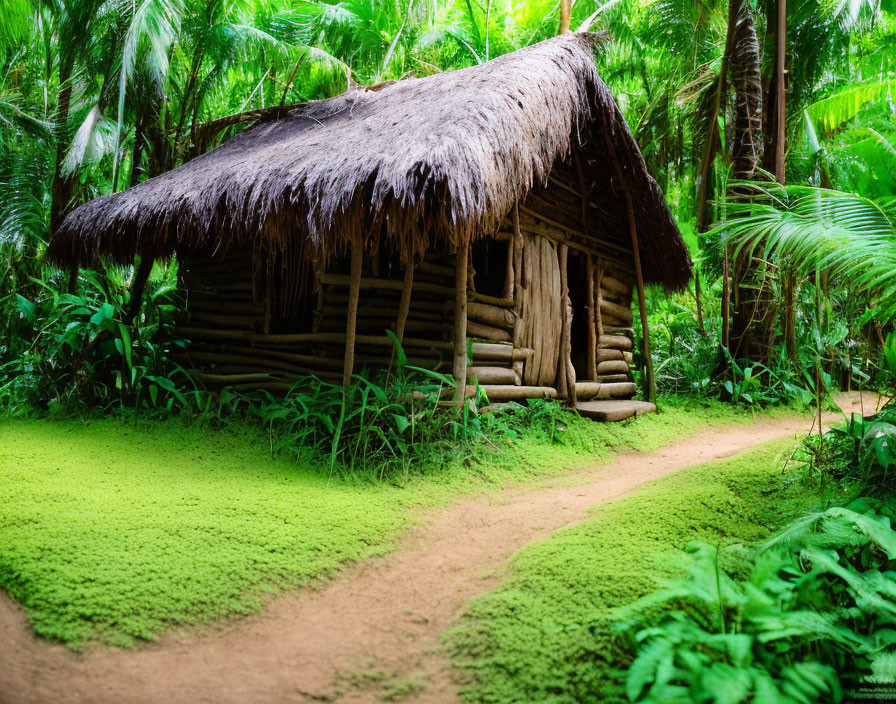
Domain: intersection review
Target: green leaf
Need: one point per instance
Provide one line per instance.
(27, 309)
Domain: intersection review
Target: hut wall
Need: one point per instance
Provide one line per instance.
(555, 215)
(241, 335)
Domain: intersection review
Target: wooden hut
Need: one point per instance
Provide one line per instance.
(506, 204)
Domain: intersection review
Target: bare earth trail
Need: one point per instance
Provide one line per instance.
(386, 614)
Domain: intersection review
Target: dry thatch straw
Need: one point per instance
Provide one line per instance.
(421, 162)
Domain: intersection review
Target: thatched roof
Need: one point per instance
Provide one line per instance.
(420, 161)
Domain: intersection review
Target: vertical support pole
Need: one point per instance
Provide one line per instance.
(351, 323)
(404, 305)
(639, 276)
(137, 286)
(509, 279)
(599, 280)
(268, 294)
(562, 366)
(589, 309)
(460, 318)
(642, 304)
(73, 279)
(517, 276)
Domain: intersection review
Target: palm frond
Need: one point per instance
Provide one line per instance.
(843, 233)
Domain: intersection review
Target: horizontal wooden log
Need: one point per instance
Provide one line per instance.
(612, 284)
(621, 250)
(618, 342)
(612, 378)
(439, 270)
(213, 305)
(618, 366)
(620, 313)
(233, 321)
(310, 338)
(596, 389)
(393, 284)
(493, 375)
(502, 353)
(506, 392)
(491, 314)
(487, 332)
(209, 378)
(609, 354)
(381, 312)
(492, 300)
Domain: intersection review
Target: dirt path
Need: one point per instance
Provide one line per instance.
(385, 616)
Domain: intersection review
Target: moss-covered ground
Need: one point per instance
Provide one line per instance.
(112, 532)
(546, 634)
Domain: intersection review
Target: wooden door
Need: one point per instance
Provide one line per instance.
(540, 315)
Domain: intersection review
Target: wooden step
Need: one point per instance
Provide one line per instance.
(611, 411)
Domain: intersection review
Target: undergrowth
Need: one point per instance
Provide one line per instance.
(547, 634)
(114, 531)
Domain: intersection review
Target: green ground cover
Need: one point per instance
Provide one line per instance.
(112, 532)
(546, 634)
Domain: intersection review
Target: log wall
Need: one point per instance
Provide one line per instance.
(237, 338)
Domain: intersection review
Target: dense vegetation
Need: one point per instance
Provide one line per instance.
(773, 135)
(791, 291)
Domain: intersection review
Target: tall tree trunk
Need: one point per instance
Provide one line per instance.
(752, 325)
(62, 184)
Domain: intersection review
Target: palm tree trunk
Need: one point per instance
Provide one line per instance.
(62, 184)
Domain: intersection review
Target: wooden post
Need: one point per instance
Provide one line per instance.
(404, 305)
(509, 282)
(562, 368)
(73, 279)
(517, 276)
(268, 294)
(589, 308)
(639, 276)
(351, 323)
(598, 316)
(137, 286)
(460, 318)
